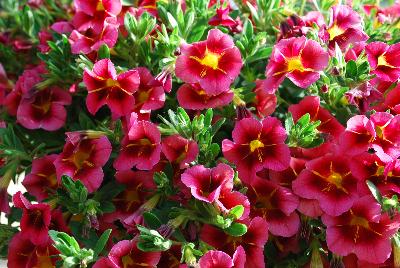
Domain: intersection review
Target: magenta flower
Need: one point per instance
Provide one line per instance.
(229, 199)
(83, 158)
(298, 59)
(126, 254)
(141, 148)
(105, 87)
(362, 230)
(42, 180)
(257, 145)
(213, 63)
(206, 183)
(222, 18)
(192, 96)
(329, 180)
(35, 219)
(43, 109)
(345, 27)
(179, 150)
(384, 60)
(150, 95)
(219, 259)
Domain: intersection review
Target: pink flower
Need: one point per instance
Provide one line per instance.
(35, 219)
(105, 87)
(257, 145)
(150, 95)
(141, 148)
(89, 41)
(329, 180)
(380, 133)
(213, 63)
(229, 199)
(43, 109)
(345, 27)
(265, 101)
(276, 204)
(42, 180)
(298, 59)
(362, 230)
(311, 105)
(179, 150)
(83, 158)
(252, 241)
(384, 60)
(206, 183)
(222, 18)
(219, 259)
(192, 96)
(126, 254)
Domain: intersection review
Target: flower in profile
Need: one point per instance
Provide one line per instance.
(229, 199)
(35, 219)
(252, 241)
(23, 253)
(206, 183)
(213, 63)
(43, 108)
(105, 87)
(150, 95)
(329, 180)
(276, 204)
(345, 27)
(222, 18)
(384, 60)
(42, 180)
(126, 254)
(362, 230)
(192, 96)
(83, 157)
(179, 150)
(141, 148)
(297, 58)
(379, 132)
(311, 105)
(219, 259)
(265, 100)
(257, 145)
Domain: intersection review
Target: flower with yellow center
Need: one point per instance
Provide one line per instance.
(295, 64)
(255, 144)
(210, 60)
(335, 31)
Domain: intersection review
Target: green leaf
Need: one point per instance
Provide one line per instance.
(151, 220)
(375, 192)
(104, 52)
(101, 243)
(351, 69)
(236, 229)
(236, 211)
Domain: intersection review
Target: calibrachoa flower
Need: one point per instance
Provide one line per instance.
(257, 145)
(252, 242)
(42, 180)
(206, 183)
(345, 27)
(179, 150)
(329, 180)
(213, 63)
(105, 87)
(192, 96)
(222, 18)
(229, 199)
(265, 100)
(379, 132)
(277, 205)
(43, 109)
(23, 253)
(219, 259)
(384, 60)
(362, 230)
(141, 148)
(35, 219)
(297, 58)
(83, 157)
(125, 254)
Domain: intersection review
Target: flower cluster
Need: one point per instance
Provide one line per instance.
(199, 133)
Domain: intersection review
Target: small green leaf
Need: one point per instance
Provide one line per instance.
(375, 192)
(236, 211)
(236, 229)
(104, 52)
(101, 243)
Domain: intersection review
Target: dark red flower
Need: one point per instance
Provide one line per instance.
(179, 150)
(222, 18)
(35, 219)
(213, 63)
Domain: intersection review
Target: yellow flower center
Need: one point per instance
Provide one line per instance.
(100, 6)
(379, 131)
(335, 31)
(112, 83)
(255, 144)
(210, 60)
(43, 261)
(295, 64)
(382, 60)
(127, 261)
(360, 222)
(336, 179)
